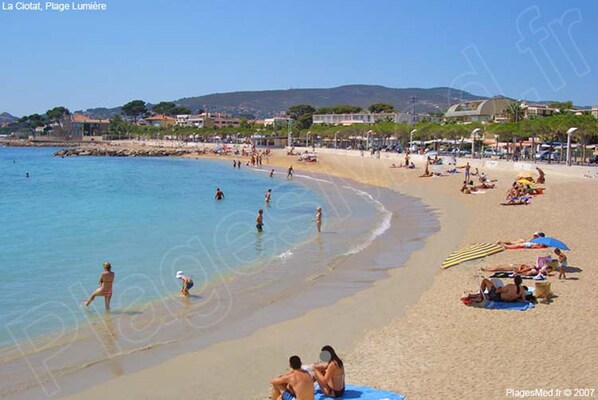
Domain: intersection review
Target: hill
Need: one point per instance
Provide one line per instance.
(267, 103)
(6, 118)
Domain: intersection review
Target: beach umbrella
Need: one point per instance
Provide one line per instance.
(471, 252)
(550, 242)
(525, 174)
(526, 182)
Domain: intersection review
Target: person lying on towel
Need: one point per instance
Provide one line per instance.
(511, 292)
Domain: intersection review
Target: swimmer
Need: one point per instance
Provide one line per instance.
(105, 289)
(259, 220)
(219, 194)
(268, 195)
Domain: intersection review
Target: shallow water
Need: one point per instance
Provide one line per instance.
(258, 280)
(59, 225)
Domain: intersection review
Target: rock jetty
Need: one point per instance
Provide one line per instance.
(121, 152)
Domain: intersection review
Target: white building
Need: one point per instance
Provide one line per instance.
(207, 120)
(595, 110)
(350, 119)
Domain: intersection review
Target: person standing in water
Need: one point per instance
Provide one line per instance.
(234, 163)
(105, 289)
(268, 195)
(187, 283)
(259, 220)
(219, 194)
(319, 219)
(290, 173)
(272, 174)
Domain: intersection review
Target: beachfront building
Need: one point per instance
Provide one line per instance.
(536, 110)
(83, 125)
(351, 119)
(491, 110)
(277, 121)
(160, 121)
(595, 110)
(207, 120)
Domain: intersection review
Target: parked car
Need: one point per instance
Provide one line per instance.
(543, 155)
(490, 152)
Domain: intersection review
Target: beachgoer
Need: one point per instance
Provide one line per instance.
(290, 172)
(187, 283)
(259, 220)
(294, 385)
(319, 218)
(465, 188)
(562, 263)
(426, 173)
(234, 163)
(331, 375)
(541, 176)
(521, 269)
(511, 292)
(467, 168)
(271, 173)
(268, 195)
(219, 194)
(239, 164)
(521, 241)
(27, 175)
(105, 289)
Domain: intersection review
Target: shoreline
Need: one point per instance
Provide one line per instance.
(418, 315)
(320, 298)
(390, 296)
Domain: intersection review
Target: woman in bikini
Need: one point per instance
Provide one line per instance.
(330, 376)
(105, 289)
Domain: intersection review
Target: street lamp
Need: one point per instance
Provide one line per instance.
(411, 138)
(569, 132)
(367, 139)
(473, 134)
(335, 143)
(307, 139)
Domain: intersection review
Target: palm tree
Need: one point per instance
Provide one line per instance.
(515, 111)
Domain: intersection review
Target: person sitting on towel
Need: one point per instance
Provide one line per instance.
(508, 293)
(330, 375)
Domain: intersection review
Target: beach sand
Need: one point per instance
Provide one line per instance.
(410, 333)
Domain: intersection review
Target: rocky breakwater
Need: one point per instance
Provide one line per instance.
(120, 152)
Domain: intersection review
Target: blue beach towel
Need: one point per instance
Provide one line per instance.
(362, 393)
(501, 305)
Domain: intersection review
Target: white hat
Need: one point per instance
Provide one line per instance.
(179, 274)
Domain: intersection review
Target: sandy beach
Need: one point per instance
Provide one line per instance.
(409, 333)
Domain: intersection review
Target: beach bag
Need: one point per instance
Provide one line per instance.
(542, 289)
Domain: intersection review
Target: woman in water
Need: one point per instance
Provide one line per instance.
(105, 289)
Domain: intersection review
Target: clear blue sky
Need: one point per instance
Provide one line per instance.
(168, 49)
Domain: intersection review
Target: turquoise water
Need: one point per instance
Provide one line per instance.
(148, 216)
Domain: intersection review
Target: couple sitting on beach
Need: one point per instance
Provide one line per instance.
(299, 382)
(492, 292)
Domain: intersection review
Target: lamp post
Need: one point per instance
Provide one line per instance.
(569, 132)
(473, 135)
(411, 138)
(335, 142)
(289, 136)
(307, 139)
(367, 140)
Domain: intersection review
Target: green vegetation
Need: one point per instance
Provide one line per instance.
(134, 109)
(381, 108)
(339, 109)
(169, 108)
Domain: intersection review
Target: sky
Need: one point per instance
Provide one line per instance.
(168, 49)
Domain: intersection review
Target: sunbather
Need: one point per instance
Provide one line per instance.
(297, 384)
(330, 375)
(521, 241)
(521, 269)
(511, 292)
